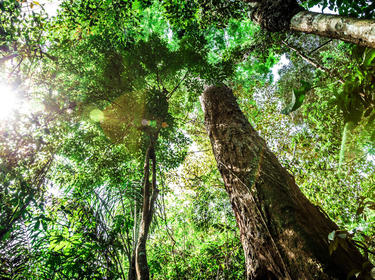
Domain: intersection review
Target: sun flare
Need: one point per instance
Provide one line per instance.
(8, 101)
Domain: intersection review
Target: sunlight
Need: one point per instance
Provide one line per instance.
(8, 101)
(275, 69)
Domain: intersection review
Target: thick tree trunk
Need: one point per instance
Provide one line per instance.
(283, 15)
(283, 235)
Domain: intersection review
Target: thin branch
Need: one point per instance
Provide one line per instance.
(177, 86)
(322, 45)
(15, 68)
(53, 58)
(310, 61)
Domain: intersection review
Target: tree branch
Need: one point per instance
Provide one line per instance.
(5, 58)
(322, 45)
(177, 86)
(310, 61)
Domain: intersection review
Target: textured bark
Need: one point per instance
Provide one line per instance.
(283, 235)
(357, 31)
(132, 274)
(275, 15)
(283, 15)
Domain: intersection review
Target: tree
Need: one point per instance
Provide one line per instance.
(286, 15)
(281, 16)
(283, 235)
(135, 82)
(120, 67)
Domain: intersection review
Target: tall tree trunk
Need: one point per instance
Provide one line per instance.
(283, 235)
(282, 15)
(150, 193)
(132, 274)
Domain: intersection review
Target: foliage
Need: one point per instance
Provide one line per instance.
(356, 9)
(204, 13)
(297, 98)
(196, 237)
(109, 73)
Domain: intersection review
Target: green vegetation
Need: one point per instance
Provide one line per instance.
(105, 88)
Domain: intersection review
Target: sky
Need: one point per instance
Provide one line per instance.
(50, 6)
(318, 9)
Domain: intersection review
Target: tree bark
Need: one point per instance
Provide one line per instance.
(352, 30)
(132, 274)
(283, 235)
(284, 15)
(150, 193)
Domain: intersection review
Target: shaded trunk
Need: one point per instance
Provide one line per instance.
(132, 274)
(283, 15)
(150, 193)
(283, 235)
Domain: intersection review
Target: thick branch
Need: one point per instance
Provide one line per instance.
(283, 15)
(352, 30)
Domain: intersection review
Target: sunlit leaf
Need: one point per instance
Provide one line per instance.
(297, 98)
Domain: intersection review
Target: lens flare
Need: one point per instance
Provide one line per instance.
(8, 101)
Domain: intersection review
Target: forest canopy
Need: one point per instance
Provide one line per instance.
(114, 165)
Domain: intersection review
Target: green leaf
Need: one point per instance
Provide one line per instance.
(354, 272)
(6, 236)
(331, 236)
(59, 246)
(153, 124)
(333, 246)
(44, 224)
(297, 98)
(369, 57)
(37, 224)
(312, 3)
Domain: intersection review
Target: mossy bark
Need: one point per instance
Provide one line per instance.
(283, 235)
